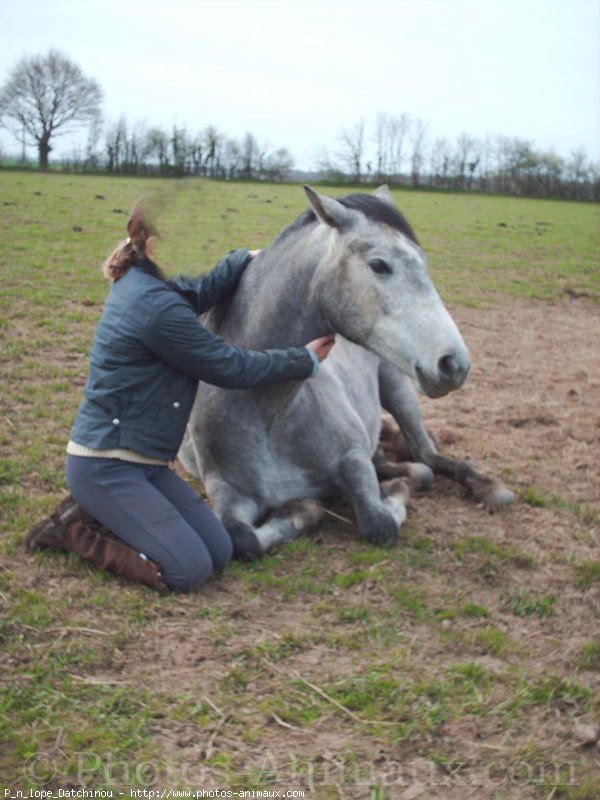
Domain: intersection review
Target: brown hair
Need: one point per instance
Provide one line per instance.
(139, 231)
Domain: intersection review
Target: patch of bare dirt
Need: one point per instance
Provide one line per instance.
(530, 403)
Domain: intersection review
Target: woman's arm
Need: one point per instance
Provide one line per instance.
(176, 336)
(202, 293)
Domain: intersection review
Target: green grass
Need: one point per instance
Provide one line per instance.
(527, 604)
(589, 657)
(538, 498)
(474, 610)
(588, 572)
(489, 559)
(413, 627)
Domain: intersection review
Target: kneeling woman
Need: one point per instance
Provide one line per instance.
(148, 354)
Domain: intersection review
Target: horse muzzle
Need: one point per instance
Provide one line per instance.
(449, 374)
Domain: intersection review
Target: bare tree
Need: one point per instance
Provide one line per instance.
(137, 148)
(550, 174)
(45, 96)
(180, 150)
(197, 157)
(352, 147)
(485, 167)
(250, 152)
(232, 158)
(401, 127)
(468, 156)
(439, 162)
(92, 155)
(116, 139)
(390, 137)
(418, 138)
(513, 156)
(254, 156)
(577, 172)
(383, 144)
(213, 141)
(157, 147)
(278, 164)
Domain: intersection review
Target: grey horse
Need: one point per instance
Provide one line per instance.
(266, 456)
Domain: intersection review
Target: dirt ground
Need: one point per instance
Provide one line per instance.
(529, 412)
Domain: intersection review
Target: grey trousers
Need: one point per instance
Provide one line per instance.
(155, 511)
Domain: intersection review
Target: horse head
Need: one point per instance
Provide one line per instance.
(373, 287)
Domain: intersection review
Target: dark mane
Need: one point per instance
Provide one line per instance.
(367, 204)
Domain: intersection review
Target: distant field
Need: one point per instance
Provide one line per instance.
(470, 649)
(477, 245)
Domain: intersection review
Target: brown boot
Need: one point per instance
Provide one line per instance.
(49, 532)
(70, 528)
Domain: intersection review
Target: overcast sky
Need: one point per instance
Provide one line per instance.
(296, 73)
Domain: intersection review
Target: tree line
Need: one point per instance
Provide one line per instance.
(48, 95)
(400, 149)
(150, 150)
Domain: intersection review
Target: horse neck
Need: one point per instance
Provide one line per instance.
(275, 304)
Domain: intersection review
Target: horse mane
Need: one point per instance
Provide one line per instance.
(369, 205)
(372, 207)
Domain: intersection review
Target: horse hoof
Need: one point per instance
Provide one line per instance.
(384, 528)
(385, 537)
(304, 514)
(396, 487)
(420, 476)
(246, 546)
(497, 498)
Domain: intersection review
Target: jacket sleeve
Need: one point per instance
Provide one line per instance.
(202, 293)
(175, 335)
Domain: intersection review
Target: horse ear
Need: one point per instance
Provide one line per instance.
(383, 193)
(328, 210)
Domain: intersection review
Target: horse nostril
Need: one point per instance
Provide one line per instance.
(448, 368)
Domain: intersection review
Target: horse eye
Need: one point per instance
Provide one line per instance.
(379, 266)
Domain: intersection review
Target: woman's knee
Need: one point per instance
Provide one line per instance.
(189, 572)
(216, 539)
(221, 551)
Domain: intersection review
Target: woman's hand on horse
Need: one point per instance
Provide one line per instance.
(253, 253)
(322, 346)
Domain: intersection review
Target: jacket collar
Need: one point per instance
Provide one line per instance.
(150, 268)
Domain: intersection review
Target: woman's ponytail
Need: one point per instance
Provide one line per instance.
(139, 233)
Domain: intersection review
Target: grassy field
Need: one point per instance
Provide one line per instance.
(73, 640)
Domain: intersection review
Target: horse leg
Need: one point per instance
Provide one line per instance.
(294, 518)
(400, 399)
(379, 510)
(393, 459)
(420, 476)
(251, 539)
(282, 525)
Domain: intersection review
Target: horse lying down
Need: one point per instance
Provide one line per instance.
(266, 456)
